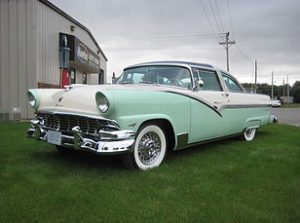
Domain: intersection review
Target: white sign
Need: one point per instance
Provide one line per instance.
(82, 53)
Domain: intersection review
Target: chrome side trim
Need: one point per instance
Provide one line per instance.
(243, 106)
(196, 99)
(216, 109)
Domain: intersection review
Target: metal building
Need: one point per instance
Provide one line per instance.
(31, 36)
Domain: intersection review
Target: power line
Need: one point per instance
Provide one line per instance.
(243, 53)
(170, 37)
(214, 16)
(230, 17)
(219, 15)
(208, 19)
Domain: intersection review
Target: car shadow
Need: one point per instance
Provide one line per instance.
(75, 159)
(200, 148)
(211, 146)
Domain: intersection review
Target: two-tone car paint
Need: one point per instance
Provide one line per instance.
(187, 115)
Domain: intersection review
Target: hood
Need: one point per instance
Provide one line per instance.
(81, 98)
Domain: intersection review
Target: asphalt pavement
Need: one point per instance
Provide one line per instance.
(290, 116)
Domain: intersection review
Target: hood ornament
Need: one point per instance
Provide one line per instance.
(59, 101)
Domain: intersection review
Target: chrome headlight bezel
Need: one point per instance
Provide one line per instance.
(102, 102)
(33, 99)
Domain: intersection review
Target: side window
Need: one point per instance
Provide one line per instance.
(209, 78)
(232, 85)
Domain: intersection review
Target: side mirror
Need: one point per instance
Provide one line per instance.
(200, 83)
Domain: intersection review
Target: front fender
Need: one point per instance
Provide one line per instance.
(134, 122)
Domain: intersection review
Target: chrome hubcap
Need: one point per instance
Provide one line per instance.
(249, 132)
(149, 148)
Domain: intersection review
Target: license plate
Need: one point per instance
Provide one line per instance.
(54, 137)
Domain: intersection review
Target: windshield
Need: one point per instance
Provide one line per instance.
(162, 75)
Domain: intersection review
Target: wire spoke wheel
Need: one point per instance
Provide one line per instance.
(249, 134)
(150, 147)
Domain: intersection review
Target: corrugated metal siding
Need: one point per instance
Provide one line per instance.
(29, 52)
(17, 56)
(50, 23)
(103, 65)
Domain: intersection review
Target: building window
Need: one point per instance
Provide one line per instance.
(101, 77)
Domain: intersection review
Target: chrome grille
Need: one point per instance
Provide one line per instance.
(65, 123)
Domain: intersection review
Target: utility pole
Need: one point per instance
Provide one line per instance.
(227, 43)
(255, 77)
(287, 89)
(272, 88)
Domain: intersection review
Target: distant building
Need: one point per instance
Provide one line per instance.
(286, 99)
(33, 33)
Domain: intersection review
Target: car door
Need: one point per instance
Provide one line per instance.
(206, 119)
(243, 109)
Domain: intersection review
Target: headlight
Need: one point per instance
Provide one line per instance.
(33, 99)
(102, 102)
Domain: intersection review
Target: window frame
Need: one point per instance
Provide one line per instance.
(233, 79)
(213, 71)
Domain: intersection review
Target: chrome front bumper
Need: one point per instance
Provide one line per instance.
(109, 142)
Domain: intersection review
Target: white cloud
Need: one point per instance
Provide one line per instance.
(135, 31)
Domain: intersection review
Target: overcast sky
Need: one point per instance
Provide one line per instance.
(134, 31)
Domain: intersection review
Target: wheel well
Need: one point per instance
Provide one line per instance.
(166, 126)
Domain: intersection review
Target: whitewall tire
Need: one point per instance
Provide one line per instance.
(249, 134)
(149, 149)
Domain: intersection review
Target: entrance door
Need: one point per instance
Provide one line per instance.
(72, 75)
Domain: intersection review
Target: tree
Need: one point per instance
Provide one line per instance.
(295, 92)
(278, 91)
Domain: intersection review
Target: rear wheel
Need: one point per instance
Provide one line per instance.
(249, 134)
(149, 148)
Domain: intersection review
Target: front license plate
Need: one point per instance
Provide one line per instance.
(54, 137)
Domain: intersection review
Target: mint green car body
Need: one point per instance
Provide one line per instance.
(185, 115)
(199, 104)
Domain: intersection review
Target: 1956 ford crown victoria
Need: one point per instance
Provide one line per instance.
(152, 107)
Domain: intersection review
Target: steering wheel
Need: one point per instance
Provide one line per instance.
(175, 82)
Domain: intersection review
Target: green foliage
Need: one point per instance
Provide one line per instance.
(296, 91)
(267, 89)
(227, 181)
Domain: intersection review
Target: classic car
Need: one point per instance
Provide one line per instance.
(275, 103)
(152, 108)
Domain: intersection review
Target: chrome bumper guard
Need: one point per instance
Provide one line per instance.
(273, 119)
(111, 142)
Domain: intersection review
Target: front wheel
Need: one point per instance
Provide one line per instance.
(149, 148)
(249, 134)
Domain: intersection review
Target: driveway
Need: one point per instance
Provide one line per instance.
(290, 116)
